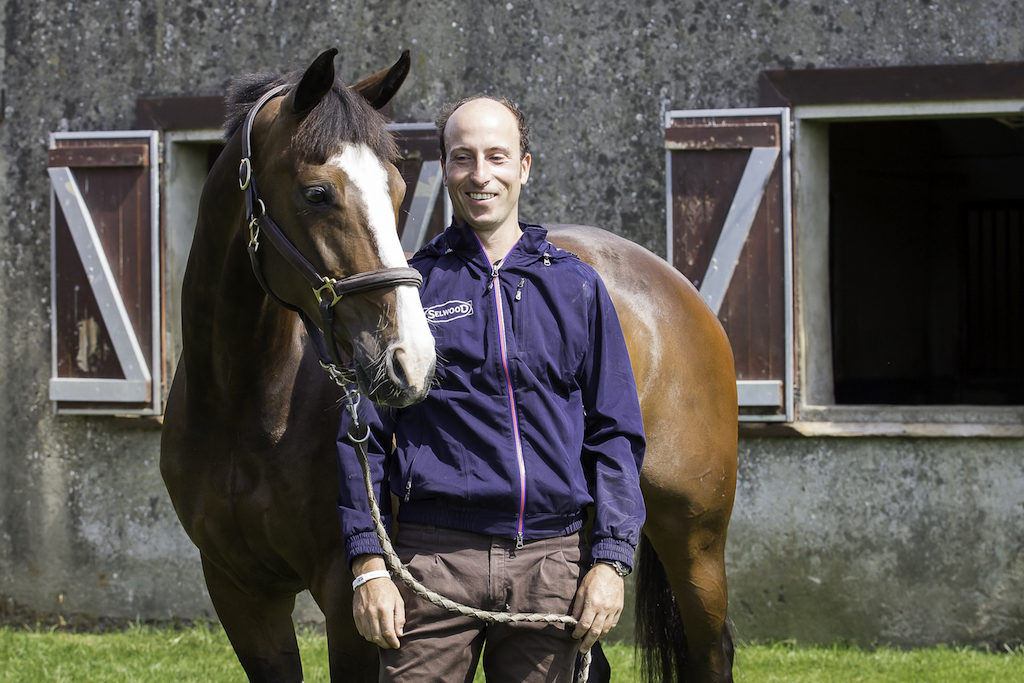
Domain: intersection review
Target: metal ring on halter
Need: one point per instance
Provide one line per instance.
(244, 173)
(363, 439)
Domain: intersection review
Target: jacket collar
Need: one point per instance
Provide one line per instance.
(460, 239)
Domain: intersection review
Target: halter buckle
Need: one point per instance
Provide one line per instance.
(329, 285)
(254, 225)
(254, 233)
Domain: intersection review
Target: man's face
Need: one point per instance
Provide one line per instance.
(483, 170)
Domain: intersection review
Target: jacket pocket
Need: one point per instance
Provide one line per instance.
(407, 486)
(520, 325)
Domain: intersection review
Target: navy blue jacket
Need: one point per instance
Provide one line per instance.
(533, 416)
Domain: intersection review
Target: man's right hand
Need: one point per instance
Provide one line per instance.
(377, 606)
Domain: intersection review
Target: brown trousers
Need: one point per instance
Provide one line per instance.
(491, 574)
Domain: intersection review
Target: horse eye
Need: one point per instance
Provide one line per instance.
(316, 194)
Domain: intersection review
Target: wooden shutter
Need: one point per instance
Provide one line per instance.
(424, 211)
(105, 272)
(729, 232)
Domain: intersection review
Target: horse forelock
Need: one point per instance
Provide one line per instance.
(342, 116)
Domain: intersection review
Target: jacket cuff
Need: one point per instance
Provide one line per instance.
(613, 551)
(365, 543)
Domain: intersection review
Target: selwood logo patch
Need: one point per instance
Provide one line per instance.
(448, 311)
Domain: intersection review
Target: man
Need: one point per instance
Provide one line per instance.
(532, 423)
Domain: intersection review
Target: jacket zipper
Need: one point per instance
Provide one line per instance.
(502, 343)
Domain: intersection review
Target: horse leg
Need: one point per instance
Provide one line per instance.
(693, 562)
(699, 584)
(259, 627)
(352, 658)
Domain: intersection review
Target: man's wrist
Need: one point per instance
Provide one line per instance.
(362, 564)
(370, 576)
(622, 569)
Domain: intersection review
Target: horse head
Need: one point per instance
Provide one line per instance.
(328, 202)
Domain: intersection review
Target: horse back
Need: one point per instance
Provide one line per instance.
(684, 370)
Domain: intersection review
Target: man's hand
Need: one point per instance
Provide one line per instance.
(377, 606)
(598, 604)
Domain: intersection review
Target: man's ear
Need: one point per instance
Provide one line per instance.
(525, 165)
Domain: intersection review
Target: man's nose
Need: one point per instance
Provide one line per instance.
(480, 173)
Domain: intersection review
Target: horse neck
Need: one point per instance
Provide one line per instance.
(234, 335)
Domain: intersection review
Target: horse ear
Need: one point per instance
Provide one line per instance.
(315, 83)
(379, 88)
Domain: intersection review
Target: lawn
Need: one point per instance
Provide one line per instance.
(202, 654)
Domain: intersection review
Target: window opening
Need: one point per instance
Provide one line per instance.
(926, 261)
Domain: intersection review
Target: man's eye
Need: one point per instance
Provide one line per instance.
(316, 194)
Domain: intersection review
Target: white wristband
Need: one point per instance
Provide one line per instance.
(369, 576)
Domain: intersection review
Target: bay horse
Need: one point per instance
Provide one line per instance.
(685, 377)
(248, 450)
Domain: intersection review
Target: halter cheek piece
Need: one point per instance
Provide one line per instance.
(328, 291)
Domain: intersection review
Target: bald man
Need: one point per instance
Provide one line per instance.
(533, 425)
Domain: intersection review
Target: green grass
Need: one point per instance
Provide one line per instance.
(202, 654)
(797, 664)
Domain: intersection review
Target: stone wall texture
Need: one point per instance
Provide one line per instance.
(876, 540)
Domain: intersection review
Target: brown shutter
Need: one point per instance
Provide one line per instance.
(105, 281)
(424, 212)
(729, 232)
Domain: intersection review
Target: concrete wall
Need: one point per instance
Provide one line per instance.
(903, 540)
(892, 540)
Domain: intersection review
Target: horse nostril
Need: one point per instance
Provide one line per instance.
(396, 368)
(409, 380)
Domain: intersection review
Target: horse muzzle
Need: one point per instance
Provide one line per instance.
(396, 378)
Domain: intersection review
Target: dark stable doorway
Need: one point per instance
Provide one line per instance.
(926, 261)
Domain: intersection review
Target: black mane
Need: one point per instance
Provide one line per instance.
(342, 116)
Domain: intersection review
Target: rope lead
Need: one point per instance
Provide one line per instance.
(395, 563)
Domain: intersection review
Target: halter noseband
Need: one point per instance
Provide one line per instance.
(327, 290)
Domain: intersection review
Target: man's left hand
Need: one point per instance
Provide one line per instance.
(598, 604)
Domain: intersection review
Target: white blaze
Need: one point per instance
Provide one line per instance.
(415, 346)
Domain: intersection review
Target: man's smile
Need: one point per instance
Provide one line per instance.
(482, 195)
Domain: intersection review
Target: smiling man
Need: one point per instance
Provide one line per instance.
(485, 168)
(532, 426)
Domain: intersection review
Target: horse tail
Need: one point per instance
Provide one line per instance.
(660, 635)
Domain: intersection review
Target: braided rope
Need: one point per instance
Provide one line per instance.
(395, 563)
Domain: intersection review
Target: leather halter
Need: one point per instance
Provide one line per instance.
(328, 291)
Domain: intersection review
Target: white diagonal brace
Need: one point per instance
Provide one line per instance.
(101, 280)
(737, 225)
(421, 209)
